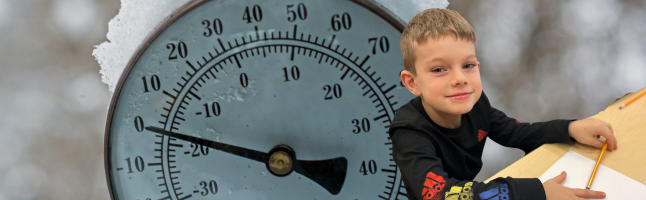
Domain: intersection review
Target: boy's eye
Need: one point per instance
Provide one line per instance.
(469, 66)
(438, 70)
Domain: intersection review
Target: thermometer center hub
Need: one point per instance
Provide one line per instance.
(281, 160)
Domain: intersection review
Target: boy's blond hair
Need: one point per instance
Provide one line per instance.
(433, 24)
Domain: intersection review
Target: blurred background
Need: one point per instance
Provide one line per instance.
(541, 60)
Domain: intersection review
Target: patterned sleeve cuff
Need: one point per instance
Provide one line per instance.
(559, 132)
(527, 188)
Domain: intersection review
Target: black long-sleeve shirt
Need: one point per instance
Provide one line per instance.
(440, 163)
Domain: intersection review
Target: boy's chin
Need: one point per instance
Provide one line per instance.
(460, 109)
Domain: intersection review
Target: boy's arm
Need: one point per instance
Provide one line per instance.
(527, 136)
(415, 154)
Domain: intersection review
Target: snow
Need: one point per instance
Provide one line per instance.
(126, 31)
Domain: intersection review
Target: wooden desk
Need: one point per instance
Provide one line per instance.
(629, 159)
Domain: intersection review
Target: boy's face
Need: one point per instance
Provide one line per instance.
(448, 76)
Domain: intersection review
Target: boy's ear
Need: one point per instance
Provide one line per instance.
(409, 81)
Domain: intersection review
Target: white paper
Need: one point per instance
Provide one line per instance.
(579, 168)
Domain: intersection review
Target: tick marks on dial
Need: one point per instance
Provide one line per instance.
(194, 95)
(170, 95)
(346, 73)
(216, 70)
(295, 26)
(186, 197)
(381, 116)
(175, 145)
(221, 45)
(363, 62)
(237, 62)
(192, 67)
(332, 41)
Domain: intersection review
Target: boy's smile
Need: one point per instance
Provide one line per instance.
(447, 78)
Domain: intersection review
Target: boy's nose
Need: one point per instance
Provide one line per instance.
(458, 78)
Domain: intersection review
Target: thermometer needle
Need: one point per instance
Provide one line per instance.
(330, 173)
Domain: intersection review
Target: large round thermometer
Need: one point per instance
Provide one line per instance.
(251, 99)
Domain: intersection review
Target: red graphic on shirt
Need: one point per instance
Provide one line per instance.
(432, 186)
(481, 135)
(517, 122)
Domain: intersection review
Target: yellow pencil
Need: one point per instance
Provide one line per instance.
(631, 100)
(596, 166)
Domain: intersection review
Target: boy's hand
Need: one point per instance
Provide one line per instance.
(587, 131)
(555, 191)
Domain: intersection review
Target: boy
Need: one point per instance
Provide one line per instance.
(438, 137)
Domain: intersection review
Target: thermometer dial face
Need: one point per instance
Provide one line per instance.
(252, 99)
